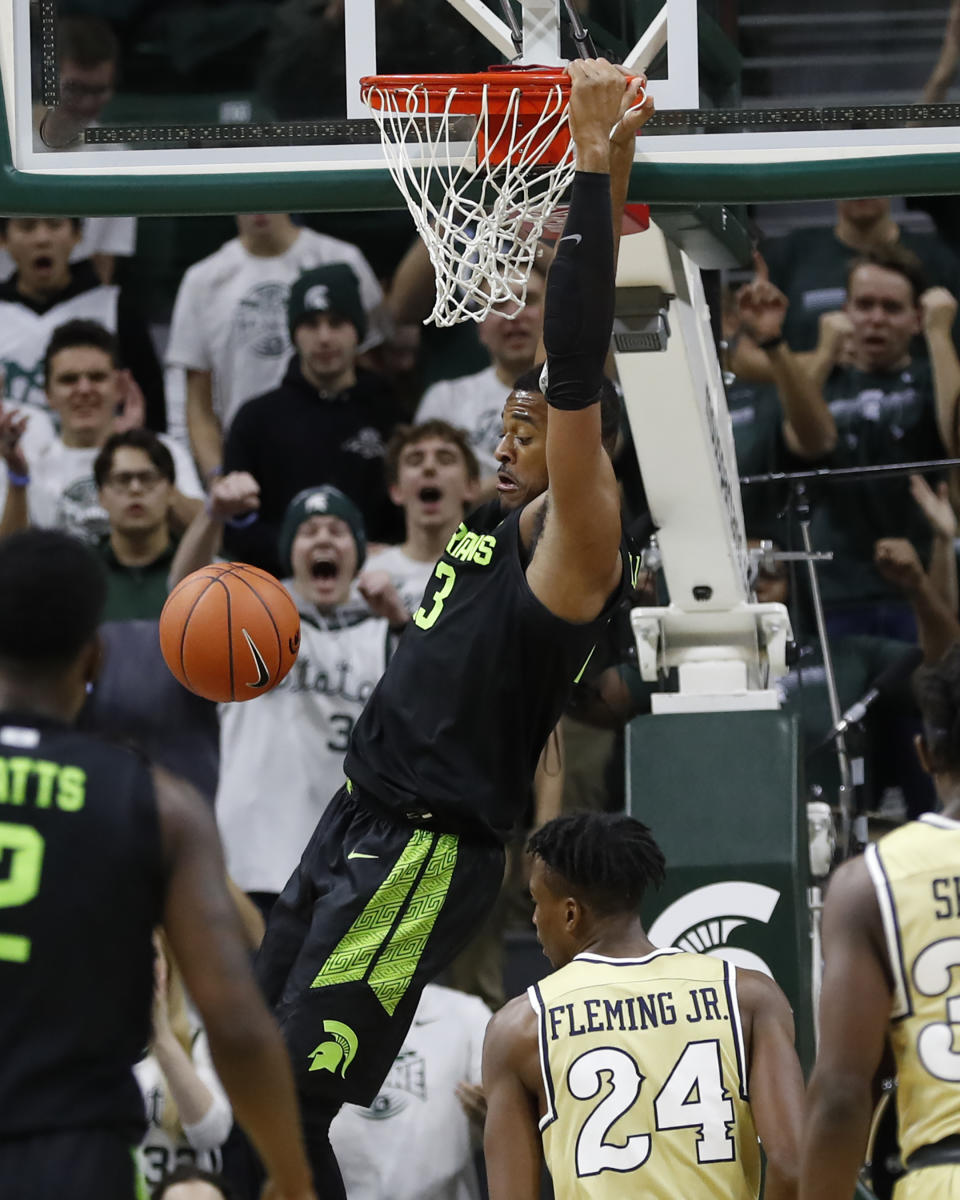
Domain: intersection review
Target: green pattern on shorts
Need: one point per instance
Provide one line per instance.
(394, 969)
(382, 946)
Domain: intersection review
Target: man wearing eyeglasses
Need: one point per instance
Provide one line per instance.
(135, 479)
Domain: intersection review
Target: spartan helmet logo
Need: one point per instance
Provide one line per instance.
(337, 1052)
(317, 298)
(702, 920)
(319, 502)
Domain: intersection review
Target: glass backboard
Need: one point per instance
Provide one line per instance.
(213, 105)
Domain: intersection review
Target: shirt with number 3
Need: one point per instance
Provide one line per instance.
(281, 754)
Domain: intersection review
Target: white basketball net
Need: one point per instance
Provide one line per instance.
(481, 223)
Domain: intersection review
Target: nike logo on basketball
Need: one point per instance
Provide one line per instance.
(357, 854)
(572, 237)
(263, 675)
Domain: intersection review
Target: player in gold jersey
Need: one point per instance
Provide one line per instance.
(891, 942)
(645, 1072)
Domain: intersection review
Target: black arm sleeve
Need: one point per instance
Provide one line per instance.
(578, 311)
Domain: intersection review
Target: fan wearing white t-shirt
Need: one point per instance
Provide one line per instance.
(417, 1139)
(475, 402)
(432, 474)
(51, 484)
(281, 755)
(229, 329)
(102, 240)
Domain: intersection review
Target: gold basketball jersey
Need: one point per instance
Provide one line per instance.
(916, 875)
(645, 1078)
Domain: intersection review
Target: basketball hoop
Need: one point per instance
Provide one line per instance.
(480, 192)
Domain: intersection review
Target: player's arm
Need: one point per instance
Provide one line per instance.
(774, 1080)
(855, 1004)
(511, 1136)
(576, 564)
(202, 924)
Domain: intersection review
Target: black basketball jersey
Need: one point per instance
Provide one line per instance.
(81, 888)
(477, 683)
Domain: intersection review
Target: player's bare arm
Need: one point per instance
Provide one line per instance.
(855, 1003)
(514, 1092)
(204, 929)
(774, 1080)
(576, 563)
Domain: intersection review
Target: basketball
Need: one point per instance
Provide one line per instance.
(229, 632)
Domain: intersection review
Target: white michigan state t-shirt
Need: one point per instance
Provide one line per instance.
(281, 755)
(230, 317)
(415, 1141)
(408, 575)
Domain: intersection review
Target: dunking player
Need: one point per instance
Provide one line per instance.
(96, 850)
(407, 859)
(636, 1063)
(891, 946)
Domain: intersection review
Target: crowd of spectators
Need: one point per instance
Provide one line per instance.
(300, 449)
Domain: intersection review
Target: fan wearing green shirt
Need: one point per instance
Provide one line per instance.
(134, 473)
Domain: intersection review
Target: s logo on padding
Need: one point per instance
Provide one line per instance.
(702, 920)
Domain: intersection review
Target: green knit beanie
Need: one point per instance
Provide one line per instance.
(322, 501)
(332, 288)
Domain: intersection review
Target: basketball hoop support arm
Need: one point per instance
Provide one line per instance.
(728, 649)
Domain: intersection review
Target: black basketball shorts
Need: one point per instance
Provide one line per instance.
(82, 1164)
(377, 908)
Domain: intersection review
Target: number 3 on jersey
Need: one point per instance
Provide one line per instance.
(693, 1097)
(24, 846)
(448, 577)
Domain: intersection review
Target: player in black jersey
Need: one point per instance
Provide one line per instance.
(96, 849)
(408, 858)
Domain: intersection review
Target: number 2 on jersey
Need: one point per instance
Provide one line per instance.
(25, 847)
(696, 1073)
(448, 577)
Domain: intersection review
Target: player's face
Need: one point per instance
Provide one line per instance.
(83, 390)
(86, 91)
(432, 483)
(522, 452)
(885, 318)
(327, 345)
(513, 343)
(40, 248)
(135, 493)
(550, 916)
(324, 561)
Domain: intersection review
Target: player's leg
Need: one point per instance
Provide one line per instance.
(290, 917)
(395, 903)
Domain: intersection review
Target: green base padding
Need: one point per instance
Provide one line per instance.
(721, 792)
